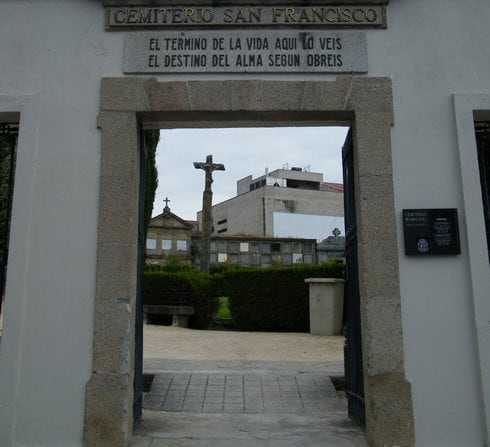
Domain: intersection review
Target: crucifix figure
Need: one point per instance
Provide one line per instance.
(207, 222)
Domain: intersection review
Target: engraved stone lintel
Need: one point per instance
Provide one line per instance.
(253, 15)
(245, 52)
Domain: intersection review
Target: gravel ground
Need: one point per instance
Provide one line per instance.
(188, 344)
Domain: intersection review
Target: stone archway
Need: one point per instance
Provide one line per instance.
(367, 104)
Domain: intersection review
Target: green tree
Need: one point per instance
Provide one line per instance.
(151, 174)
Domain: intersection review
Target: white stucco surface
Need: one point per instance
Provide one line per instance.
(52, 57)
(51, 52)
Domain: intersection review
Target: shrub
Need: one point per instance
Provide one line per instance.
(172, 264)
(274, 298)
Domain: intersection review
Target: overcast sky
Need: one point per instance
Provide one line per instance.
(243, 151)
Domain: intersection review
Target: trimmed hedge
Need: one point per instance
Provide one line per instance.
(172, 264)
(184, 289)
(274, 298)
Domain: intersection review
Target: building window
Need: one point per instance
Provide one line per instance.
(222, 230)
(275, 247)
(297, 258)
(255, 259)
(276, 259)
(244, 247)
(222, 257)
(265, 248)
(151, 244)
(483, 144)
(222, 247)
(232, 247)
(222, 221)
(166, 244)
(181, 245)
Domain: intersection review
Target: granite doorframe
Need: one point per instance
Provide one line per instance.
(366, 103)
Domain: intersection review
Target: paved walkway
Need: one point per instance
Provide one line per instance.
(245, 404)
(248, 393)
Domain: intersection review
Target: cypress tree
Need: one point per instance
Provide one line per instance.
(151, 174)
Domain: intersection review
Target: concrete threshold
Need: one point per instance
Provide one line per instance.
(167, 429)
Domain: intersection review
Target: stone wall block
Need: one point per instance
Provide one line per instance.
(376, 209)
(108, 410)
(212, 96)
(324, 96)
(382, 347)
(370, 95)
(120, 143)
(378, 269)
(168, 96)
(389, 412)
(123, 94)
(118, 330)
(116, 273)
(373, 136)
(282, 96)
(245, 95)
(116, 222)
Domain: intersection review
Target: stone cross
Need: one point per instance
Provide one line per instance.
(166, 204)
(336, 234)
(207, 222)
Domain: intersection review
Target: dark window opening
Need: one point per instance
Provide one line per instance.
(258, 184)
(222, 221)
(482, 131)
(303, 184)
(223, 230)
(275, 247)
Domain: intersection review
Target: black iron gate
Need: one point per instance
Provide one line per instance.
(8, 143)
(354, 381)
(482, 130)
(138, 351)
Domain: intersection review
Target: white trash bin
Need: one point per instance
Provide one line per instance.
(326, 297)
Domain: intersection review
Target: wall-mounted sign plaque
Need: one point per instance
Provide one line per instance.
(245, 51)
(431, 232)
(347, 16)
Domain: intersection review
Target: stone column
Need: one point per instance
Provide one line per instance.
(109, 394)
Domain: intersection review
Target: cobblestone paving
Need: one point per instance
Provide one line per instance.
(248, 393)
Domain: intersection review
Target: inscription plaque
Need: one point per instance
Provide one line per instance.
(347, 16)
(245, 51)
(431, 232)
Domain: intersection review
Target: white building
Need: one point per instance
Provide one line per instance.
(280, 200)
(411, 79)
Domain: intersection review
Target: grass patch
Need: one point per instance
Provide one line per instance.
(223, 312)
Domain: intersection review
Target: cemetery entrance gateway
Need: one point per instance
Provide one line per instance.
(362, 102)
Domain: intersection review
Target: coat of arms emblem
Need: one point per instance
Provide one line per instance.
(423, 245)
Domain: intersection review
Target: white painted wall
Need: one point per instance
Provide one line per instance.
(52, 56)
(245, 213)
(53, 52)
(431, 50)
